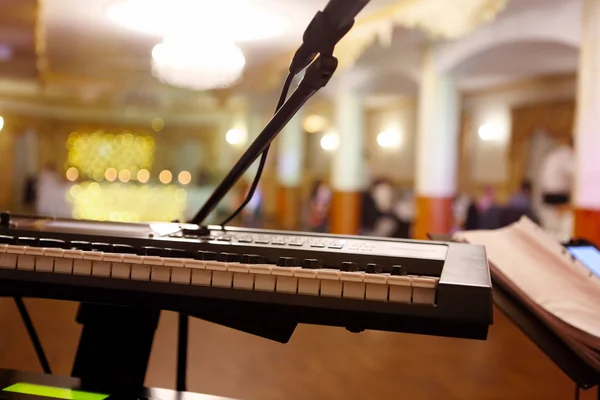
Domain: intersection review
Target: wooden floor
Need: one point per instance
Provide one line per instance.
(318, 363)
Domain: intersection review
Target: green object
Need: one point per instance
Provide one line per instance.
(55, 392)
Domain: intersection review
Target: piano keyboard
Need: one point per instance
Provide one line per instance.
(228, 270)
(355, 282)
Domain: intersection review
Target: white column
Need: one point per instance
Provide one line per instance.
(437, 138)
(586, 194)
(290, 153)
(348, 170)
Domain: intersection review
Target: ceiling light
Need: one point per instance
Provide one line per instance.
(315, 123)
(203, 65)
(235, 136)
(490, 131)
(330, 142)
(389, 139)
(239, 20)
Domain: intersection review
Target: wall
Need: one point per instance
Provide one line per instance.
(488, 159)
(397, 164)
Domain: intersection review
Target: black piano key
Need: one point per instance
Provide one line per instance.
(288, 262)
(374, 268)
(398, 270)
(350, 266)
(54, 243)
(28, 241)
(229, 257)
(80, 245)
(152, 251)
(103, 247)
(206, 255)
(177, 253)
(124, 249)
(253, 259)
(311, 263)
(7, 239)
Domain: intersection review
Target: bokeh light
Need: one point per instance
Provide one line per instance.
(165, 176)
(184, 177)
(158, 124)
(143, 175)
(124, 175)
(127, 203)
(94, 153)
(110, 174)
(72, 174)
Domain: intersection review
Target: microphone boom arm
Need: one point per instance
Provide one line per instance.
(317, 75)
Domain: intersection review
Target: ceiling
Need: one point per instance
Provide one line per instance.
(96, 63)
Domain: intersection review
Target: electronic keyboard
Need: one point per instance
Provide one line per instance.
(220, 273)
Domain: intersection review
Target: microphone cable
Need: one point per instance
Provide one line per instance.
(263, 158)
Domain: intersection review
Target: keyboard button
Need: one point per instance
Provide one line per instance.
(296, 243)
(278, 241)
(317, 245)
(335, 245)
(244, 239)
(262, 240)
(224, 239)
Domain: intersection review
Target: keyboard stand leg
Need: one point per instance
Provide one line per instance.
(114, 347)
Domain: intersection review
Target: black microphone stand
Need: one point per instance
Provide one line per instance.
(317, 75)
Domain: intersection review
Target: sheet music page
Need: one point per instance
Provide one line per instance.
(544, 271)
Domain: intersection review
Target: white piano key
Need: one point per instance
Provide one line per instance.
(63, 265)
(152, 260)
(12, 249)
(101, 268)
(93, 255)
(307, 281)
(73, 254)
(82, 267)
(195, 264)
(201, 277)
(44, 264)
(132, 259)
(400, 289)
(223, 279)
(285, 282)
(173, 262)
(26, 262)
(8, 260)
(216, 266)
(160, 274)
(140, 272)
(376, 287)
(110, 257)
(34, 251)
(242, 278)
(331, 286)
(182, 275)
(263, 280)
(120, 270)
(353, 285)
(424, 290)
(3, 248)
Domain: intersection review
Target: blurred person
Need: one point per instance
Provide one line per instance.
(252, 213)
(556, 182)
(522, 199)
(48, 183)
(483, 212)
(318, 207)
(382, 211)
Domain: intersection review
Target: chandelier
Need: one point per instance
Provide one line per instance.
(197, 65)
(199, 49)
